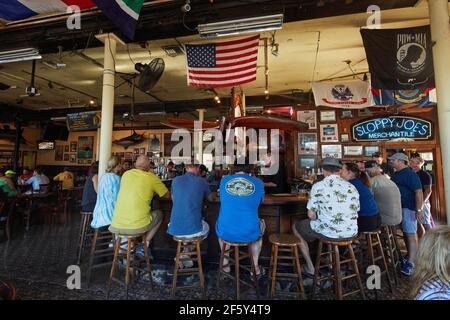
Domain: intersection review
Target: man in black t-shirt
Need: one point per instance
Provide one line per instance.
(416, 164)
(385, 167)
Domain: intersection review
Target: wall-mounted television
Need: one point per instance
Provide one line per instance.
(46, 145)
(55, 132)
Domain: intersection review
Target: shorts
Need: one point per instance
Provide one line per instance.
(409, 221)
(304, 229)
(203, 233)
(156, 221)
(369, 223)
(426, 213)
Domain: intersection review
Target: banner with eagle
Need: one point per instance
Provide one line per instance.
(355, 94)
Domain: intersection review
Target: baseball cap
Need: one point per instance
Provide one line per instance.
(399, 156)
(332, 162)
(376, 155)
(10, 172)
(371, 164)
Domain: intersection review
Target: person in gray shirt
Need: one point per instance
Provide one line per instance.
(386, 194)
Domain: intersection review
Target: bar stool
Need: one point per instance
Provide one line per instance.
(86, 218)
(335, 264)
(288, 244)
(373, 242)
(238, 256)
(100, 249)
(195, 255)
(390, 248)
(128, 253)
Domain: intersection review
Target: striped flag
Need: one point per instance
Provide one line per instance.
(223, 64)
(123, 13)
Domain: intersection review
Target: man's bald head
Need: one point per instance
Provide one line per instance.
(143, 163)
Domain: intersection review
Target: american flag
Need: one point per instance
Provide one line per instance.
(223, 64)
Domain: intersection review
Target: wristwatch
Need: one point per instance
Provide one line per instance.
(418, 210)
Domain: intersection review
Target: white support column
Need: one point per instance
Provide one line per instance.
(201, 118)
(98, 145)
(110, 40)
(440, 34)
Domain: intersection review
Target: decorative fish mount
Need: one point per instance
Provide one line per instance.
(131, 140)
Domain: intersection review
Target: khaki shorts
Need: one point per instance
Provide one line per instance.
(156, 221)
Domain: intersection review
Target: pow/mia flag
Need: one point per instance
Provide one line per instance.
(346, 94)
(399, 59)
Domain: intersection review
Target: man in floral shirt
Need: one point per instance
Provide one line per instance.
(332, 211)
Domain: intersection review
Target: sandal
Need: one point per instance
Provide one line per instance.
(306, 273)
(226, 266)
(262, 272)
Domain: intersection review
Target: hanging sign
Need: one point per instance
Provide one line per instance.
(392, 128)
(83, 121)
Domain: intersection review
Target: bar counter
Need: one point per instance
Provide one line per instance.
(279, 212)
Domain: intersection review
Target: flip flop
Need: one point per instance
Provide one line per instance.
(306, 273)
(262, 272)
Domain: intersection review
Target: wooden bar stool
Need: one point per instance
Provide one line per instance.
(131, 257)
(86, 218)
(288, 244)
(373, 242)
(335, 263)
(195, 255)
(100, 250)
(239, 255)
(390, 249)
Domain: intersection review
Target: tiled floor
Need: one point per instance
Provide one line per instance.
(36, 263)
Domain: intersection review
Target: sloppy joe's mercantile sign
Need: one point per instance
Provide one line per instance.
(392, 128)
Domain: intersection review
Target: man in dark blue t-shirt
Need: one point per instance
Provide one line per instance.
(411, 194)
(240, 197)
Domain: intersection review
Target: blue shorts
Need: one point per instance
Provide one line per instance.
(426, 213)
(409, 221)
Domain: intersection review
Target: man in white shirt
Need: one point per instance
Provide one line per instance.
(332, 211)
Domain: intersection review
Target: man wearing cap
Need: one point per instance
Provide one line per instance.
(385, 167)
(386, 193)
(332, 211)
(411, 193)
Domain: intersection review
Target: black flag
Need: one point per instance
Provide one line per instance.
(399, 59)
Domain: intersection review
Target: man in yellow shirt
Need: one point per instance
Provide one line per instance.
(132, 213)
(66, 177)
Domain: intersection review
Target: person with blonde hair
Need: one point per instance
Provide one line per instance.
(431, 277)
(108, 189)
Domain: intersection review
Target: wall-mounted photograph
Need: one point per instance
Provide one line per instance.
(327, 116)
(329, 133)
(332, 150)
(307, 162)
(370, 150)
(307, 143)
(309, 117)
(85, 147)
(353, 150)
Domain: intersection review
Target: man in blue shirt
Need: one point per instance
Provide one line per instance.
(411, 194)
(188, 192)
(37, 180)
(240, 197)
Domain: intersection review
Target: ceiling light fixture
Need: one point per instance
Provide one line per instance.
(238, 26)
(19, 55)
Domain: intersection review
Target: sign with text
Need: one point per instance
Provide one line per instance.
(83, 121)
(392, 128)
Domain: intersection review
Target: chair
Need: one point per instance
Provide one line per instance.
(131, 257)
(238, 256)
(334, 263)
(287, 244)
(195, 255)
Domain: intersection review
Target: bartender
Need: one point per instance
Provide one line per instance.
(274, 183)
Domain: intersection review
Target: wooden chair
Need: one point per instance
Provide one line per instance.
(287, 244)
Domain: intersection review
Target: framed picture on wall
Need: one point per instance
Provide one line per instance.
(346, 114)
(327, 115)
(136, 151)
(309, 117)
(154, 144)
(370, 150)
(85, 147)
(66, 148)
(332, 150)
(66, 156)
(141, 150)
(345, 137)
(329, 133)
(307, 162)
(73, 146)
(353, 150)
(307, 143)
(73, 158)
(59, 152)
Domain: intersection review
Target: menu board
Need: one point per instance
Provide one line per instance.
(83, 121)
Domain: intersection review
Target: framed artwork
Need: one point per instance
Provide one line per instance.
(370, 150)
(327, 115)
(66, 148)
(141, 150)
(365, 112)
(332, 150)
(345, 137)
(154, 144)
(307, 143)
(309, 117)
(73, 158)
(136, 151)
(73, 146)
(329, 133)
(353, 150)
(85, 147)
(346, 114)
(59, 152)
(307, 162)
(66, 156)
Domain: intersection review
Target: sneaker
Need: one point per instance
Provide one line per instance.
(407, 269)
(187, 261)
(403, 260)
